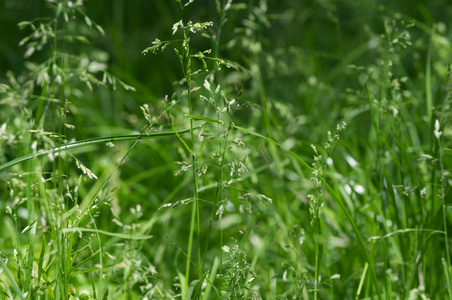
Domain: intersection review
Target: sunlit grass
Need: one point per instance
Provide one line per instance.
(271, 167)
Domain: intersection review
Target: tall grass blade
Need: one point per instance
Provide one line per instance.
(447, 275)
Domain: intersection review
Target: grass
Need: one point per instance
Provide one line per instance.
(245, 156)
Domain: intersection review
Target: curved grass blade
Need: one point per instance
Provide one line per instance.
(120, 235)
(93, 141)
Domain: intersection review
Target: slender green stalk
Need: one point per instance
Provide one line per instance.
(218, 195)
(194, 223)
(219, 187)
(442, 189)
(318, 254)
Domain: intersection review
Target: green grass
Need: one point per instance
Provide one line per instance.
(298, 150)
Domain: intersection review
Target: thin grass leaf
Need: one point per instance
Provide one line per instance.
(84, 261)
(406, 230)
(195, 288)
(191, 288)
(11, 279)
(447, 274)
(94, 141)
(70, 212)
(213, 273)
(361, 282)
(41, 259)
(177, 134)
(119, 235)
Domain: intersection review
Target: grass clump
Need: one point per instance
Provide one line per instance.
(244, 157)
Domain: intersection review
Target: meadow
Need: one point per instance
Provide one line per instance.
(225, 149)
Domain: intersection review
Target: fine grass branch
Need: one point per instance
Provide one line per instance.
(93, 141)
